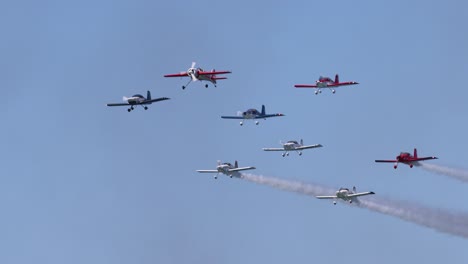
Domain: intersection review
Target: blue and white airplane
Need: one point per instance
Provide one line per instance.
(252, 114)
(138, 99)
(293, 145)
(227, 169)
(346, 195)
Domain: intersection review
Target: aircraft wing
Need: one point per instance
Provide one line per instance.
(208, 171)
(213, 72)
(341, 84)
(181, 74)
(273, 149)
(326, 197)
(119, 104)
(305, 86)
(242, 169)
(309, 147)
(267, 116)
(156, 100)
(389, 161)
(425, 158)
(233, 117)
(360, 194)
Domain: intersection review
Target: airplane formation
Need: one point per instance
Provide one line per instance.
(233, 170)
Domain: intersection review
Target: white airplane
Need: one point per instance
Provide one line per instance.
(227, 168)
(139, 99)
(292, 145)
(346, 195)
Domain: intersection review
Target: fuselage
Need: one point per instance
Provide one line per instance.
(136, 99)
(194, 73)
(291, 145)
(224, 168)
(251, 114)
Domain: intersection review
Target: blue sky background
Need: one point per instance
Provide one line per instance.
(83, 183)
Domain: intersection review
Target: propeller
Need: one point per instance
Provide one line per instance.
(239, 113)
(219, 162)
(193, 64)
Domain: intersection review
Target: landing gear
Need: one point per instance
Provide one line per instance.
(146, 108)
(216, 177)
(333, 91)
(316, 92)
(411, 165)
(241, 123)
(183, 87)
(300, 153)
(206, 85)
(129, 110)
(334, 202)
(284, 154)
(256, 122)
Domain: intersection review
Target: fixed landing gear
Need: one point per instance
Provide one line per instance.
(241, 123)
(256, 122)
(183, 87)
(333, 91)
(334, 202)
(285, 154)
(206, 85)
(300, 153)
(130, 109)
(146, 108)
(411, 165)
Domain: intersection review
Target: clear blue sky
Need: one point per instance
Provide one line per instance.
(84, 183)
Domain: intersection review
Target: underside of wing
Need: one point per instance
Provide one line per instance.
(309, 147)
(119, 104)
(232, 117)
(213, 73)
(326, 197)
(360, 194)
(207, 171)
(182, 74)
(157, 100)
(268, 116)
(425, 158)
(305, 86)
(389, 161)
(242, 169)
(273, 149)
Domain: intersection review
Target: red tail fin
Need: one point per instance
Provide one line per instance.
(337, 79)
(415, 153)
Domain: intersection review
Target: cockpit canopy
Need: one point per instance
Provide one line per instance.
(251, 111)
(292, 141)
(227, 163)
(343, 189)
(138, 95)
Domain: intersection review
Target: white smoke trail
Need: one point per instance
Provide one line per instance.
(458, 174)
(437, 219)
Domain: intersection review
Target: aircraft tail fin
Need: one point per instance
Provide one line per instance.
(354, 189)
(236, 165)
(337, 78)
(415, 153)
(263, 110)
(302, 142)
(148, 95)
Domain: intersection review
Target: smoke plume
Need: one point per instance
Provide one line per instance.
(438, 219)
(457, 174)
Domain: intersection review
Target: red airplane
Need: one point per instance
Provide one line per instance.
(325, 82)
(197, 74)
(407, 158)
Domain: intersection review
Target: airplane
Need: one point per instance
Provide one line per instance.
(407, 158)
(325, 82)
(139, 99)
(346, 195)
(292, 145)
(227, 168)
(252, 114)
(198, 74)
